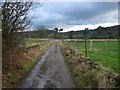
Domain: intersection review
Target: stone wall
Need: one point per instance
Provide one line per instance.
(113, 79)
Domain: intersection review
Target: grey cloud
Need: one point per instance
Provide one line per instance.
(74, 13)
(79, 9)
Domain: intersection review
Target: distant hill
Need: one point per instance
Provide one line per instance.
(98, 33)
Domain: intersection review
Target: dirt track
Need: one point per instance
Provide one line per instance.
(50, 72)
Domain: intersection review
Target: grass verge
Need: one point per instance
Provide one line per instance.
(27, 62)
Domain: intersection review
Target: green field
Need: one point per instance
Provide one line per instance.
(29, 42)
(104, 53)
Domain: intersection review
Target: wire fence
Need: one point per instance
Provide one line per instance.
(95, 45)
(103, 52)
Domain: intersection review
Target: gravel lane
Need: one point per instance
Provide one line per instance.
(50, 72)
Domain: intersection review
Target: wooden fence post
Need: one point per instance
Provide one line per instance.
(85, 47)
(85, 35)
(105, 44)
(91, 45)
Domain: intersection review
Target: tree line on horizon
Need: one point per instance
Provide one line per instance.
(99, 33)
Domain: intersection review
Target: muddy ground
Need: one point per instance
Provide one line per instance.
(50, 71)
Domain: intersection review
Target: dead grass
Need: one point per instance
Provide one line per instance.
(11, 60)
(103, 81)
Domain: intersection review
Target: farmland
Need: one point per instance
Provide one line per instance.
(30, 42)
(59, 45)
(104, 53)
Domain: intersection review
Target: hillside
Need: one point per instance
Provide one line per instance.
(103, 32)
(99, 33)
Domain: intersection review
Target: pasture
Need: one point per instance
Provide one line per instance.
(29, 42)
(104, 53)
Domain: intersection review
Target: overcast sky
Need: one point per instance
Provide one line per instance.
(75, 15)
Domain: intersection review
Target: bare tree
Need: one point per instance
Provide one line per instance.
(56, 29)
(14, 21)
(40, 27)
(42, 30)
(61, 30)
(57, 35)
